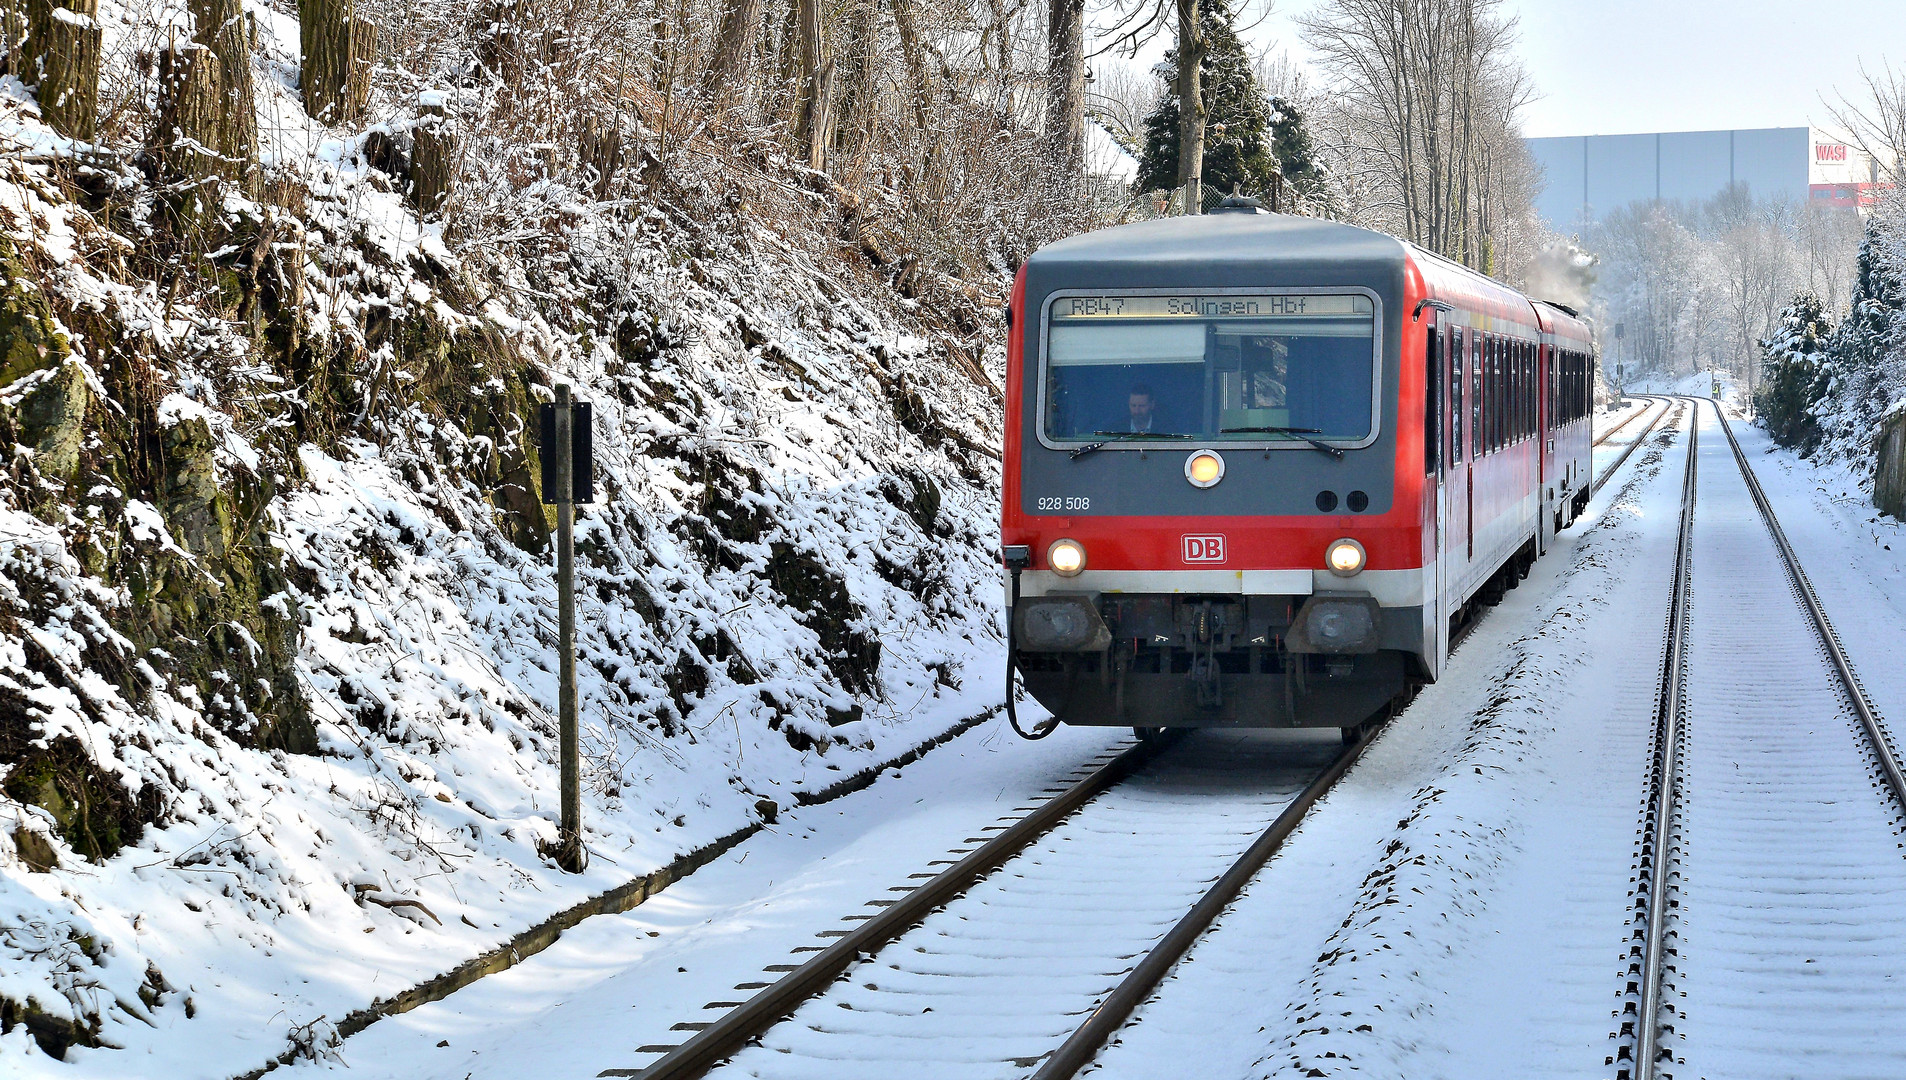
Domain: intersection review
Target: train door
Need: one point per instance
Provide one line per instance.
(1456, 491)
(1544, 447)
(1436, 404)
(1473, 361)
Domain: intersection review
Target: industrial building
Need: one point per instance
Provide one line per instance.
(1589, 176)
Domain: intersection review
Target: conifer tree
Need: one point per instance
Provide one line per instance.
(1793, 373)
(1238, 118)
(1296, 156)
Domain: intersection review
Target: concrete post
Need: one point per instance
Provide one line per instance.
(570, 854)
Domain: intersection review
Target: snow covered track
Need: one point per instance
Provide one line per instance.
(1666, 404)
(988, 968)
(1648, 956)
(1772, 881)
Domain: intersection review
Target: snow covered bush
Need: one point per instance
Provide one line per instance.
(1792, 379)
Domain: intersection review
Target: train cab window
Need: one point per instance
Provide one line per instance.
(1226, 368)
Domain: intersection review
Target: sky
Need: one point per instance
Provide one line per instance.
(1606, 67)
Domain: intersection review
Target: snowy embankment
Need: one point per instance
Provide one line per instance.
(789, 578)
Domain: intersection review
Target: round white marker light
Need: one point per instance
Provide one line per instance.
(1344, 557)
(1066, 557)
(1204, 468)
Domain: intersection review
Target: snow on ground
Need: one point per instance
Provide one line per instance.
(616, 984)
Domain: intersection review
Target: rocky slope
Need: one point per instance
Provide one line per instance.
(277, 615)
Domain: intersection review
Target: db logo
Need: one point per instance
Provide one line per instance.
(1204, 549)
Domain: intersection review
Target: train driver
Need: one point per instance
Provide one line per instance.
(1141, 403)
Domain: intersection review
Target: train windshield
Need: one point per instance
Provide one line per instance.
(1237, 368)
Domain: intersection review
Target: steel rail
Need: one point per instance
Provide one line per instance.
(1856, 694)
(1670, 707)
(1667, 405)
(766, 1008)
(1626, 420)
(1078, 1050)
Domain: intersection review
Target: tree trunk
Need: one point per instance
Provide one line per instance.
(810, 96)
(1065, 84)
(207, 130)
(600, 148)
(1191, 111)
(62, 41)
(433, 160)
(917, 72)
(858, 109)
(734, 48)
(338, 46)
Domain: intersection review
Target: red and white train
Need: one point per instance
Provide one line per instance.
(1259, 466)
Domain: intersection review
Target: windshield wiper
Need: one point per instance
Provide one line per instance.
(1122, 436)
(1303, 433)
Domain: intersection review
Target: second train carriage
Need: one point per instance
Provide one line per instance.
(1258, 466)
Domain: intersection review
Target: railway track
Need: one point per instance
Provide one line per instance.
(1625, 421)
(1768, 881)
(1666, 406)
(1128, 852)
(956, 953)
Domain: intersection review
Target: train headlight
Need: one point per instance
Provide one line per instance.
(1344, 557)
(1066, 557)
(1204, 469)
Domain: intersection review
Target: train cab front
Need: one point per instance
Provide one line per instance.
(1205, 521)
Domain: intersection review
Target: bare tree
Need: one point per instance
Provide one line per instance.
(1427, 93)
(810, 79)
(1191, 108)
(1065, 83)
(1877, 125)
(734, 46)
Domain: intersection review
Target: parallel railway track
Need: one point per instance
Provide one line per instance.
(1733, 729)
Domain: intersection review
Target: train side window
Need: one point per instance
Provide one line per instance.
(1577, 373)
(1497, 397)
(1475, 396)
(1488, 433)
(1489, 381)
(1575, 386)
(1456, 375)
(1528, 390)
(1581, 385)
(1548, 383)
(1432, 389)
(1568, 387)
(1521, 386)
(1505, 396)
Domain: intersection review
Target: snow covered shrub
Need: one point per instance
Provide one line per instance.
(1864, 358)
(1792, 376)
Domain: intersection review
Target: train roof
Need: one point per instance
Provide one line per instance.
(1227, 238)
